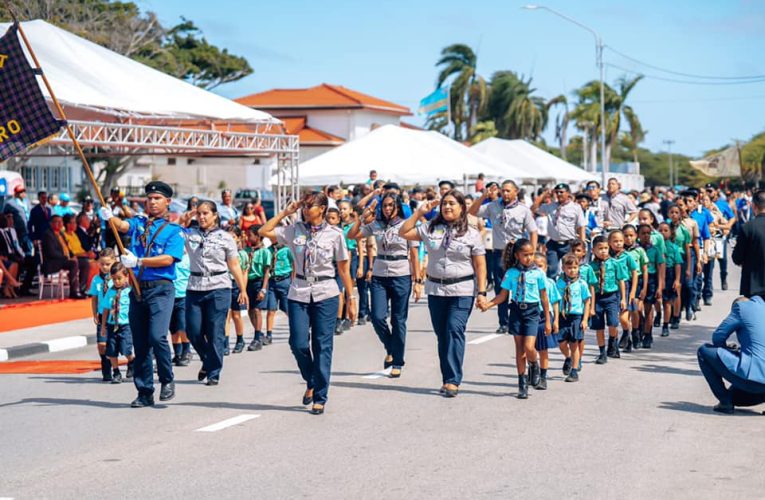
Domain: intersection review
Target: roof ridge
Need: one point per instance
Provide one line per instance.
(335, 89)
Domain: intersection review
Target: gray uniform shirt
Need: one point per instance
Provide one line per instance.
(563, 220)
(616, 209)
(507, 224)
(209, 253)
(315, 253)
(389, 244)
(450, 257)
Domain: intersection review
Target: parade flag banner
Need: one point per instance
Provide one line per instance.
(437, 102)
(724, 164)
(25, 119)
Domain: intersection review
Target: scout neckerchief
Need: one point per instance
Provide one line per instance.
(567, 292)
(556, 213)
(116, 306)
(506, 207)
(389, 233)
(310, 253)
(144, 237)
(521, 290)
(448, 237)
(601, 274)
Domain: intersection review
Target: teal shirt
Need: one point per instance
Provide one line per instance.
(657, 240)
(182, 273)
(640, 258)
(587, 274)
(614, 273)
(124, 300)
(283, 261)
(552, 294)
(351, 244)
(655, 257)
(260, 259)
(578, 293)
(534, 279)
(674, 256)
(628, 262)
(98, 289)
(682, 239)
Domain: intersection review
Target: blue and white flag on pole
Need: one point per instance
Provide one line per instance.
(437, 102)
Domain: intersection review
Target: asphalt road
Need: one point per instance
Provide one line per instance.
(637, 427)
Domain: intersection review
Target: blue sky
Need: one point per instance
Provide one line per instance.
(389, 49)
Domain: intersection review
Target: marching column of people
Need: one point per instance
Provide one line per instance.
(643, 268)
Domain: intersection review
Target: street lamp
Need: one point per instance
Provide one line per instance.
(599, 61)
(672, 174)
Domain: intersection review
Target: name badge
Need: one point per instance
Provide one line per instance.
(300, 240)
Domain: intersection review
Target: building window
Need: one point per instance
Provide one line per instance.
(171, 161)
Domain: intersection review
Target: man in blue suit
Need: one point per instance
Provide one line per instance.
(744, 369)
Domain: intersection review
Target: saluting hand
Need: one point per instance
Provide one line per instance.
(428, 206)
(293, 207)
(369, 212)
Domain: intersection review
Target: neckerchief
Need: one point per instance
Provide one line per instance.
(447, 238)
(389, 233)
(506, 207)
(601, 274)
(310, 253)
(567, 293)
(116, 306)
(144, 237)
(521, 291)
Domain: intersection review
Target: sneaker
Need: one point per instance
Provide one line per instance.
(602, 359)
(689, 314)
(647, 341)
(239, 346)
(665, 331)
(116, 377)
(707, 302)
(268, 339)
(339, 327)
(566, 366)
(346, 325)
(573, 376)
(657, 321)
(129, 372)
(255, 345)
(361, 322)
(724, 285)
(185, 359)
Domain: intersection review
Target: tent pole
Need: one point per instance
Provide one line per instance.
(76, 143)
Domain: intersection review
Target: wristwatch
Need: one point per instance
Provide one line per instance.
(483, 294)
(418, 281)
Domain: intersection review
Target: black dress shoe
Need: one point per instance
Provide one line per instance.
(707, 302)
(361, 322)
(542, 385)
(721, 408)
(602, 359)
(624, 340)
(167, 392)
(184, 360)
(523, 387)
(647, 341)
(566, 366)
(688, 315)
(724, 285)
(535, 374)
(202, 374)
(116, 377)
(307, 397)
(212, 381)
(129, 372)
(317, 409)
(142, 401)
(610, 348)
(665, 331)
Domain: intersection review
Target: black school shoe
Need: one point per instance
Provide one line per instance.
(573, 376)
(185, 359)
(268, 339)
(566, 366)
(239, 346)
(129, 372)
(339, 327)
(657, 321)
(255, 345)
(602, 359)
(116, 377)
(523, 387)
(721, 408)
(361, 322)
(142, 401)
(611, 347)
(167, 392)
(665, 331)
(647, 341)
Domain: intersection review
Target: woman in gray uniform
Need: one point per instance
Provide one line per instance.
(456, 270)
(394, 270)
(212, 255)
(314, 295)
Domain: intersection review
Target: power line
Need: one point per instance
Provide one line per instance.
(702, 99)
(678, 73)
(688, 82)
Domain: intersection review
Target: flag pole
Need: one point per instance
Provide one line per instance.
(76, 143)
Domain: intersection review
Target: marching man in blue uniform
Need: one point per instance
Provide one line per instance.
(156, 245)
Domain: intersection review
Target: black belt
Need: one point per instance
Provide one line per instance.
(564, 243)
(314, 279)
(526, 305)
(277, 279)
(606, 294)
(208, 275)
(450, 281)
(393, 257)
(154, 284)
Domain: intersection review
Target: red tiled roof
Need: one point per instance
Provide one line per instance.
(324, 96)
(296, 125)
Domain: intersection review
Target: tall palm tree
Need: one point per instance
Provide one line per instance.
(636, 133)
(468, 91)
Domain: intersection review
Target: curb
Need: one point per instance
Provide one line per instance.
(55, 345)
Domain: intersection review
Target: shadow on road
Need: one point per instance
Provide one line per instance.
(413, 390)
(689, 407)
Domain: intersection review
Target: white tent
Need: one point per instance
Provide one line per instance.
(86, 75)
(536, 162)
(402, 155)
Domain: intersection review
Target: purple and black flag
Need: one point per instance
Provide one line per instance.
(25, 119)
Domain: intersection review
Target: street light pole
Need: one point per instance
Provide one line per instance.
(599, 61)
(672, 174)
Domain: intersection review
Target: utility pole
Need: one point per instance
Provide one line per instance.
(672, 178)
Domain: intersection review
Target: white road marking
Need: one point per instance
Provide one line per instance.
(380, 374)
(227, 423)
(3, 357)
(66, 343)
(485, 338)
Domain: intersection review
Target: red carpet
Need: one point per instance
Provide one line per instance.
(45, 312)
(51, 367)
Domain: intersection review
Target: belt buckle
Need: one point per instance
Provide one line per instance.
(310, 279)
(523, 306)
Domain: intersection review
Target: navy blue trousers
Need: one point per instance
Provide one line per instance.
(499, 274)
(715, 371)
(149, 322)
(362, 285)
(312, 334)
(394, 291)
(449, 316)
(555, 252)
(206, 325)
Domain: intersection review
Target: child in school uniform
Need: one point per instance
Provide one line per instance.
(181, 344)
(672, 275)
(278, 286)
(610, 298)
(641, 259)
(114, 320)
(579, 248)
(546, 341)
(616, 244)
(526, 285)
(97, 291)
(655, 255)
(574, 313)
(257, 283)
(235, 308)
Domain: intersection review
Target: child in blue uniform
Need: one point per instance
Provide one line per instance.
(235, 309)
(98, 287)
(115, 321)
(526, 285)
(616, 244)
(181, 344)
(579, 248)
(610, 298)
(641, 260)
(551, 340)
(655, 264)
(672, 275)
(574, 313)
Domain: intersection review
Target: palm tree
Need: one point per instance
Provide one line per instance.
(468, 91)
(636, 134)
(482, 131)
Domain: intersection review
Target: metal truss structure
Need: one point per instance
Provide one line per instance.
(128, 139)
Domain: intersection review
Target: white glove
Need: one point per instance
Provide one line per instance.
(105, 213)
(266, 242)
(129, 260)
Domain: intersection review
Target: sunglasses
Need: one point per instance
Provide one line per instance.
(560, 191)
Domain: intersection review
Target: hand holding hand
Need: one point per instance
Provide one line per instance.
(417, 292)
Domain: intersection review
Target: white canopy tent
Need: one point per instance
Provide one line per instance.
(403, 155)
(84, 74)
(536, 162)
